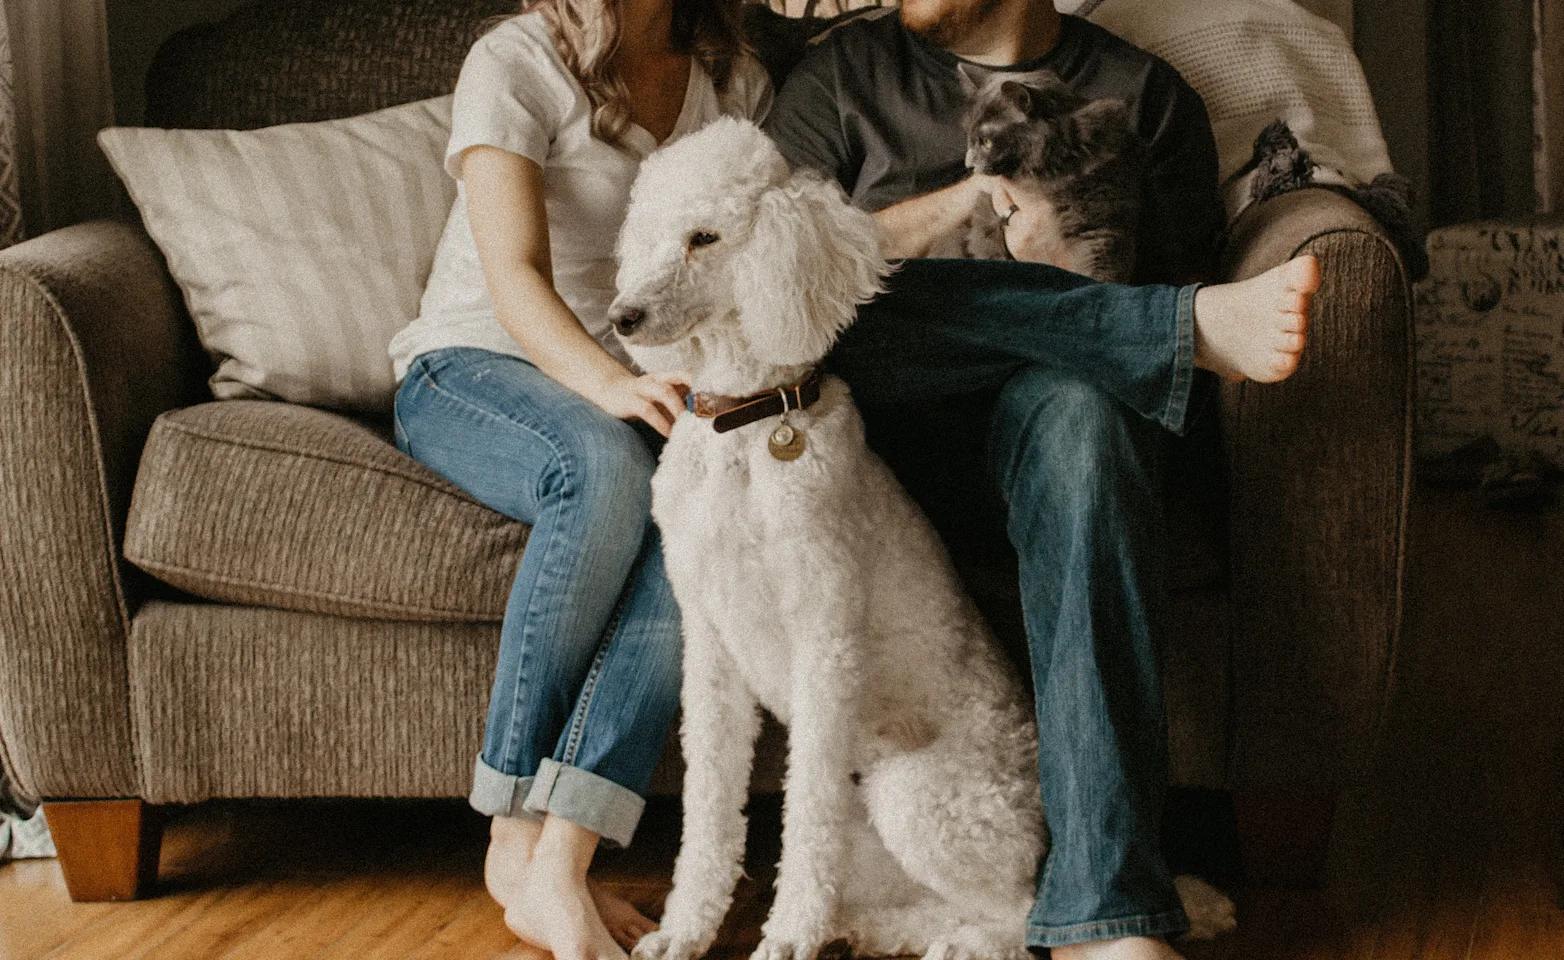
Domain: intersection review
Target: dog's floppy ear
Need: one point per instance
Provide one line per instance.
(810, 260)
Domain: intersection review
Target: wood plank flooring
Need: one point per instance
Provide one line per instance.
(1452, 850)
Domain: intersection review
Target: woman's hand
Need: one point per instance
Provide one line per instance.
(652, 398)
(1031, 227)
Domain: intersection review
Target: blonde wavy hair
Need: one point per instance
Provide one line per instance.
(586, 34)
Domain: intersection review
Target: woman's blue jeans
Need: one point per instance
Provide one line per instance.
(587, 682)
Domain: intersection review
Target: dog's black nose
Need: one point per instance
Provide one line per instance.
(627, 321)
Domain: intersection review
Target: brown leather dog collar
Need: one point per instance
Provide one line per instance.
(728, 413)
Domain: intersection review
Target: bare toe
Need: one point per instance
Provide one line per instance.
(1256, 329)
(627, 924)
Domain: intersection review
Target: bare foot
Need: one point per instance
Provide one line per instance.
(625, 923)
(1124, 948)
(511, 842)
(1255, 329)
(554, 910)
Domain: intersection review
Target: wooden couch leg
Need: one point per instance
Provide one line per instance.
(1283, 836)
(108, 848)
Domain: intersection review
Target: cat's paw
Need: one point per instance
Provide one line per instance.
(664, 945)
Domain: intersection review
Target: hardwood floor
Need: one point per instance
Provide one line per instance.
(1452, 850)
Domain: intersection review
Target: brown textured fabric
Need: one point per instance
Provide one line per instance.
(297, 61)
(272, 504)
(293, 61)
(1320, 476)
(236, 701)
(92, 347)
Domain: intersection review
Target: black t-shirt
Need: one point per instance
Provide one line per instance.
(880, 110)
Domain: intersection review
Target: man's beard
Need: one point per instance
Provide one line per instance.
(952, 24)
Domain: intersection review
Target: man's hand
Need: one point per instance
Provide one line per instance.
(1032, 232)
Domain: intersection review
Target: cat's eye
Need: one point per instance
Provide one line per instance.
(986, 142)
(703, 238)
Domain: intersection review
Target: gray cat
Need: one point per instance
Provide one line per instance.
(1083, 155)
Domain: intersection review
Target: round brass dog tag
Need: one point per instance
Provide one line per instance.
(786, 443)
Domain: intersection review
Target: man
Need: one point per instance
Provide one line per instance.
(877, 104)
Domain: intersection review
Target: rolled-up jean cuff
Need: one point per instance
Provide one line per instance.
(587, 800)
(1176, 416)
(1167, 925)
(497, 794)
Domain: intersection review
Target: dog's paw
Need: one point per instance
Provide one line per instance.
(959, 950)
(786, 948)
(663, 945)
(975, 943)
(1210, 912)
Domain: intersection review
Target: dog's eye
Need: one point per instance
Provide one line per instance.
(703, 238)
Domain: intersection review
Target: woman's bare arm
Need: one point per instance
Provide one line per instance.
(510, 229)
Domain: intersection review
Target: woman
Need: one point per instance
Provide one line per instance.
(515, 390)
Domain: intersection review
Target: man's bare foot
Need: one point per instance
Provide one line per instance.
(1255, 329)
(625, 923)
(1123, 948)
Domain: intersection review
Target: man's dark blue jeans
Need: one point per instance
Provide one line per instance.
(1086, 379)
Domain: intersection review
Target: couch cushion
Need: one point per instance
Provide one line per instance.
(271, 504)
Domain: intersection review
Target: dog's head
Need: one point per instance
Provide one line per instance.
(722, 243)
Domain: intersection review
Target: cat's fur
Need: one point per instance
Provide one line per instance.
(1083, 155)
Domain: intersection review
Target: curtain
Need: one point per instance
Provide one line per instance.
(1480, 110)
(1548, 69)
(60, 99)
(10, 200)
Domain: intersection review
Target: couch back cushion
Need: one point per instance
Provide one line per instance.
(297, 61)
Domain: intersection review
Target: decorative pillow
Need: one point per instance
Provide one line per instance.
(301, 249)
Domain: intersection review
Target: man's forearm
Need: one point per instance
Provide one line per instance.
(910, 228)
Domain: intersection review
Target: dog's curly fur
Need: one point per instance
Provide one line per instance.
(815, 588)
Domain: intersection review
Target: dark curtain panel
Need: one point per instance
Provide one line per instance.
(1479, 100)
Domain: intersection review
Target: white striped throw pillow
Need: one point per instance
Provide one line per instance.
(300, 249)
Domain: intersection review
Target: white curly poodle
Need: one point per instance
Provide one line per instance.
(811, 585)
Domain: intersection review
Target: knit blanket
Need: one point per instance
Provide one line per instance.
(1255, 62)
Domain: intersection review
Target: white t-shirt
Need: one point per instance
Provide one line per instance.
(516, 94)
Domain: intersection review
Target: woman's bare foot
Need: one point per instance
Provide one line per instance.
(625, 923)
(1255, 329)
(547, 900)
(1124, 948)
(511, 842)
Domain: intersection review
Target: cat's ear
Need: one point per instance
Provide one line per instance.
(1017, 95)
(970, 79)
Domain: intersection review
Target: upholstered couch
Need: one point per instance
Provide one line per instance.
(250, 599)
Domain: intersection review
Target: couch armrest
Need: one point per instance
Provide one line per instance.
(94, 344)
(1320, 482)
